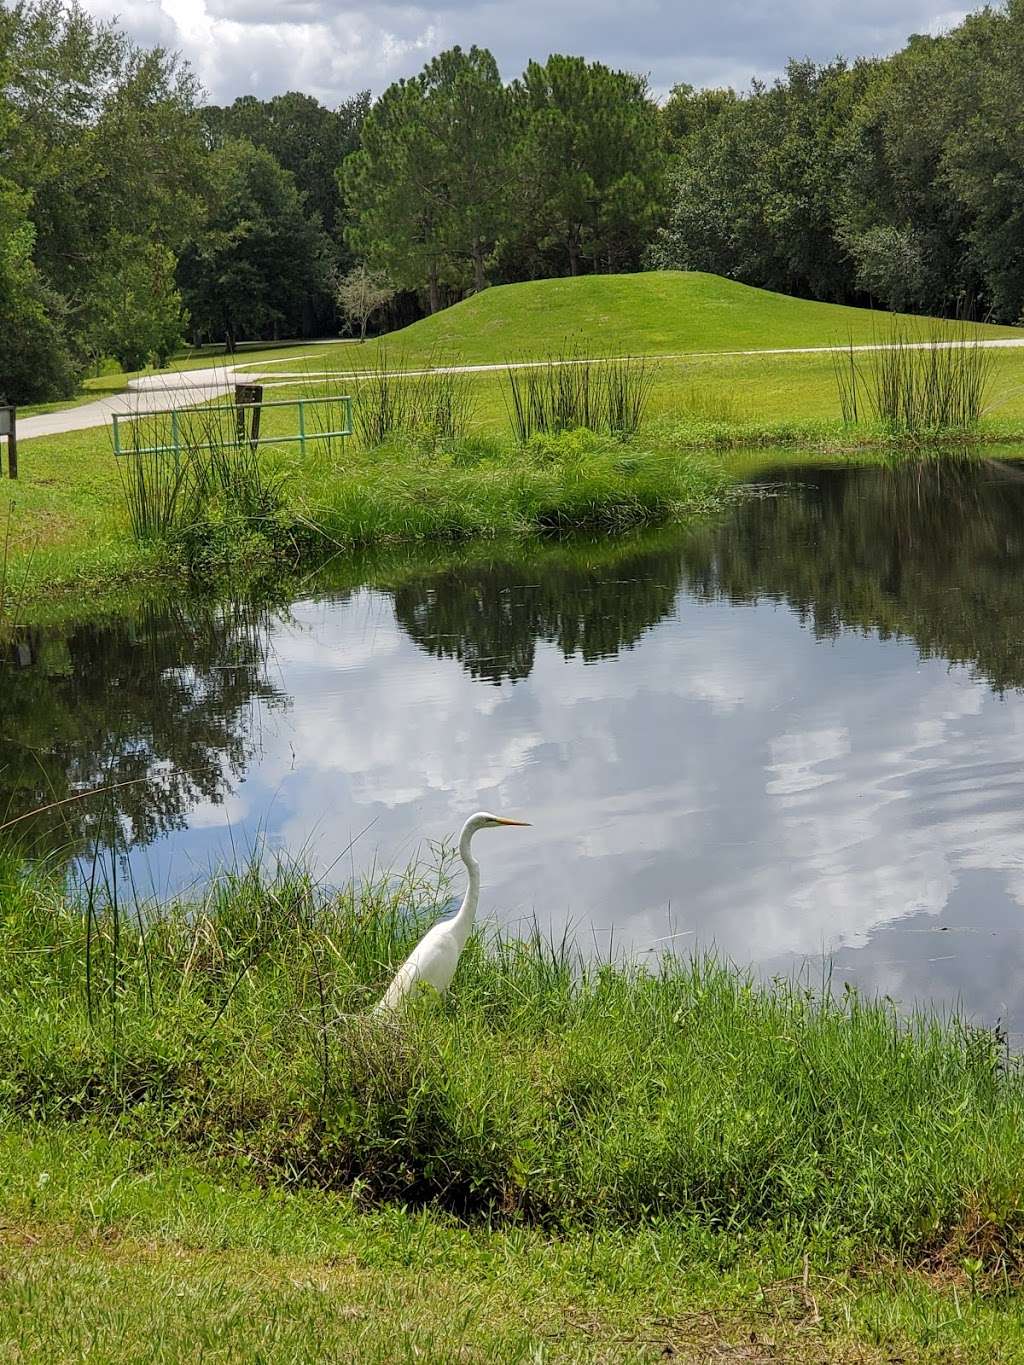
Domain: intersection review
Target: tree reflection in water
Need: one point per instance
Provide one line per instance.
(160, 700)
(588, 603)
(931, 551)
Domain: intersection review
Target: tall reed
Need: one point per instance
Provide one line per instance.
(443, 403)
(572, 389)
(435, 403)
(844, 366)
(170, 488)
(915, 387)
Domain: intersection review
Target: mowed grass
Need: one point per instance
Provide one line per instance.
(68, 526)
(111, 1252)
(208, 1147)
(724, 403)
(655, 313)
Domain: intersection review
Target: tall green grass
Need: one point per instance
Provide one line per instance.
(435, 403)
(409, 490)
(916, 387)
(575, 390)
(211, 475)
(544, 1087)
(12, 592)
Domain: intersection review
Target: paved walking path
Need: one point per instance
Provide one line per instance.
(186, 387)
(144, 395)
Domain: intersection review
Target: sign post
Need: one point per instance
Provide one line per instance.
(9, 428)
(248, 398)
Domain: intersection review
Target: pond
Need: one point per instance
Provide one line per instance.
(795, 736)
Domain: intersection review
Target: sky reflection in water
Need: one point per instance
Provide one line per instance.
(735, 737)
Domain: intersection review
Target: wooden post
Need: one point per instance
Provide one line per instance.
(9, 428)
(248, 397)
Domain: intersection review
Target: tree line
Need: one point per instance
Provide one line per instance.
(897, 181)
(134, 216)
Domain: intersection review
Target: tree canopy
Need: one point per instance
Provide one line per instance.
(257, 257)
(133, 214)
(898, 181)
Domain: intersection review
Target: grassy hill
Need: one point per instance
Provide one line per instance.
(657, 313)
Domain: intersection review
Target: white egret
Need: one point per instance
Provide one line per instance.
(434, 959)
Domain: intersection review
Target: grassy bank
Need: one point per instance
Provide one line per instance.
(664, 312)
(69, 534)
(69, 531)
(73, 535)
(672, 1158)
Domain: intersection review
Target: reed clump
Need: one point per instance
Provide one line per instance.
(209, 493)
(915, 387)
(545, 1087)
(572, 389)
(391, 402)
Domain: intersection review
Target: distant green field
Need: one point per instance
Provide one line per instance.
(657, 313)
(68, 521)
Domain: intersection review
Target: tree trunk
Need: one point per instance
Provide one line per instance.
(479, 282)
(435, 291)
(574, 256)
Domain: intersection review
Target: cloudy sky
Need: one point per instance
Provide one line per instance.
(332, 48)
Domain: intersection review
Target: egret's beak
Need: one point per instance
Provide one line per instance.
(524, 823)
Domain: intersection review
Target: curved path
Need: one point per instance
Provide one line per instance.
(143, 395)
(186, 387)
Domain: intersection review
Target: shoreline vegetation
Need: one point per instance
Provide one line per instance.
(575, 443)
(604, 1145)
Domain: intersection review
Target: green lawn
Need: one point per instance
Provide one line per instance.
(656, 313)
(759, 391)
(109, 1252)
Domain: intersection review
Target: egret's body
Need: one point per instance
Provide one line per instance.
(434, 959)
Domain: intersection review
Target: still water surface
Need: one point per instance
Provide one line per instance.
(798, 733)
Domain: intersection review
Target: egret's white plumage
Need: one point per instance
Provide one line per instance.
(434, 959)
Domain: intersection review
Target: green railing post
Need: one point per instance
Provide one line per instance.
(302, 426)
(174, 432)
(117, 436)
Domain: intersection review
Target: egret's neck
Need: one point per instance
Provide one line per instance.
(467, 910)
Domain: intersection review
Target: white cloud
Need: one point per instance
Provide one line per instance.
(331, 48)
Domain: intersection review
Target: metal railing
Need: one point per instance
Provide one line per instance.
(251, 437)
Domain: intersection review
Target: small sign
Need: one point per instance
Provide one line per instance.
(9, 428)
(248, 399)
